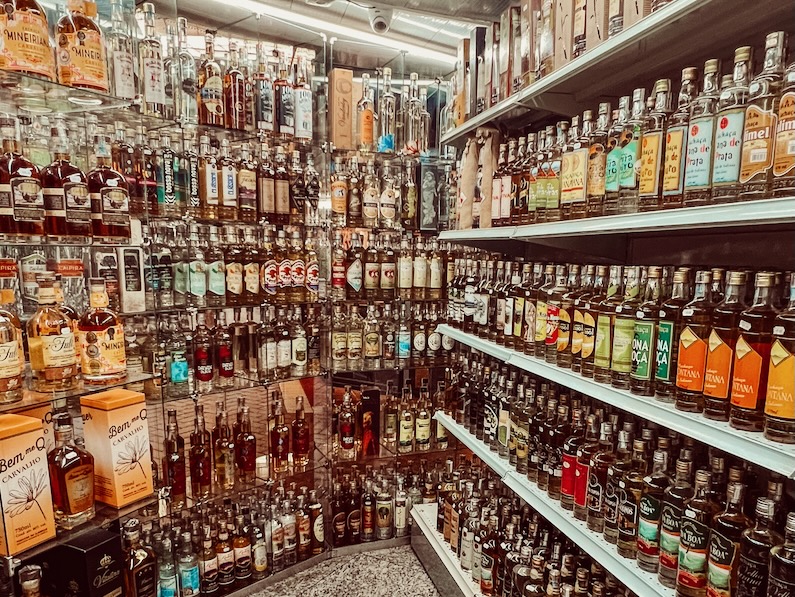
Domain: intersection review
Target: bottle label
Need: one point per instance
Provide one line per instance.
(670, 520)
(167, 586)
(717, 372)
(553, 324)
(541, 321)
(623, 337)
(297, 273)
(211, 185)
(574, 171)
(313, 276)
(79, 483)
(103, 352)
(567, 480)
(247, 189)
(588, 335)
(752, 579)
(298, 354)
(728, 142)
(553, 185)
(354, 345)
(189, 581)
(58, 353)
(209, 575)
(505, 198)
(27, 199)
(370, 203)
(603, 343)
(26, 43)
(178, 371)
(758, 140)
(642, 341)
(405, 272)
(721, 564)
(649, 525)
(404, 344)
(699, 153)
(675, 154)
(266, 193)
(318, 530)
(694, 537)
(372, 345)
(691, 361)
(154, 91)
(197, 278)
(216, 278)
(596, 170)
(747, 376)
(281, 189)
(211, 95)
(518, 314)
(81, 59)
(420, 272)
(406, 433)
(372, 275)
(366, 127)
(234, 278)
(339, 196)
(226, 567)
(114, 206)
(650, 154)
(629, 162)
(780, 401)
(611, 170)
(784, 161)
(582, 473)
(264, 104)
(423, 433)
(11, 366)
(662, 361)
(303, 113)
(228, 186)
(286, 114)
(354, 275)
(285, 273)
(387, 279)
(77, 202)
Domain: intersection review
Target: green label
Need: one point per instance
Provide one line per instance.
(665, 333)
(603, 343)
(611, 170)
(216, 278)
(643, 335)
(649, 525)
(693, 554)
(629, 163)
(623, 332)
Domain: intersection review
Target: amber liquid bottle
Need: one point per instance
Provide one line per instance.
(553, 303)
(605, 316)
(752, 358)
(597, 154)
(724, 542)
(601, 461)
(588, 309)
(22, 198)
(302, 435)
(81, 42)
(66, 201)
(101, 338)
(673, 176)
(578, 297)
(720, 351)
(673, 501)
(754, 547)
(583, 467)
(234, 92)
(211, 86)
(624, 330)
(691, 576)
(140, 563)
(565, 354)
(245, 449)
(644, 335)
(541, 311)
(668, 328)
(110, 198)
(780, 401)
(200, 458)
(71, 477)
(692, 352)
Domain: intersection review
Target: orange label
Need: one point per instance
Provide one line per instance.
(366, 127)
(339, 196)
(717, 375)
(691, 362)
(781, 383)
(26, 43)
(81, 60)
(758, 137)
(747, 374)
(650, 164)
(672, 170)
(784, 160)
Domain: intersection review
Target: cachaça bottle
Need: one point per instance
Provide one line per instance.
(653, 148)
(668, 329)
(780, 399)
(752, 357)
(614, 156)
(605, 320)
(697, 515)
(692, 351)
(71, 476)
(728, 527)
(110, 197)
(624, 329)
(759, 132)
(601, 461)
(630, 144)
(631, 487)
(676, 142)
(754, 552)
(583, 466)
(612, 489)
(541, 311)
(644, 335)
(782, 562)
(565, 351)
(650, 512)
(101, 338)
(597, 154)
(784, 157)
(673, 503)
(140, 563)
(553, 304)
(720, 352)
(730, 118)
(701, 135)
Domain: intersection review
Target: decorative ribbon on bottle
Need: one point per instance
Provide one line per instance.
(466, 189)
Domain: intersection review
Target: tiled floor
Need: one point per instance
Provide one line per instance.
(380, 573)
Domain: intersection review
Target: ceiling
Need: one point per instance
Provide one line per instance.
(432, 27)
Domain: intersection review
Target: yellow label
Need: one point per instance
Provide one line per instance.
(758, 137)
(80, 488)
(103, 352)
(366, 127)
(10, 366)
(81, 60)
(59, 350)
(781, 383)
(576, 332)
(784, 160)
(564, 330)
(672, 170)
(573, 170)
(650, 164)
(26, 43)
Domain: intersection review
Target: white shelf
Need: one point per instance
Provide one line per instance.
(480, 449)
(663, 42)
(424, 516)
(764, 212)
(639, 581)
(750, 446)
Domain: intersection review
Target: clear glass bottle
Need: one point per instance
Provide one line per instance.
(386, 115)
(150, 66)
(614, 157)
(631, 151)
(675, 159)
(652, 151)
(366, 111)
(701, 138)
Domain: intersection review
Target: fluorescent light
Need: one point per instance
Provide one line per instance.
(438, 31)
(341, 30)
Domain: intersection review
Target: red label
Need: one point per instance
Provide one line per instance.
(582, 472)
(8, 268)
(569, 477)
(553, 323)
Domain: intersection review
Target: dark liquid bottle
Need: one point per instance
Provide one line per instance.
(605, 315)
(668, 328)
(692, 352)
(644, 336)
(724, 542)
(752, 358)
(691, 576)
(110, 198)
(720, 353)
(679, 492)
(780, 401)
(782, 562)
(22, 199)
(755, 545)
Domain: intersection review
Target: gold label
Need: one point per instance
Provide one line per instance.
(573, 171)
(81, 59)
(96, 299)
(80, 488)
(339, 196)
(102, 352)
(672, 170)
(760, 126)
(59, 350)
(650, 164)
(596, 170)
(10, 365)
(784, 160)
(26, 43)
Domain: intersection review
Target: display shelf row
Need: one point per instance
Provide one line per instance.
(665, 40)
(626, 571)
(753, 447)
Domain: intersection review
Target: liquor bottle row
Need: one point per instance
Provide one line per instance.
(658, 497)
(209, 549)
(368, 420)
(383, 339)
(704, 342)
(384, 272)
(732, 141)
(227, 457)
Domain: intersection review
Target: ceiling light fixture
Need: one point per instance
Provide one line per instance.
(343, 31)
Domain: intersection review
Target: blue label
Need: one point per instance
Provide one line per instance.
(168, 587)
(404, 345)
(611, 170)
(189, 578)
(179, 368)
(386, 143)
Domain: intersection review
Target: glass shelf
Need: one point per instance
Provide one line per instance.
(31, 398)
(242, 382)
(34, 95)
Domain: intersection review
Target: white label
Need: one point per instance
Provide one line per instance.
(699, 153)
(728, 143)
(405, 272)
(228, 186)
(154, 88)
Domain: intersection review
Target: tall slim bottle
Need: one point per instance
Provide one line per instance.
(701, 138)
(692, 352)
(629, 163)
(779, 403)
(386, 115)
(668, 330)
(676, 142)
(597, 157)
(150, 66)
(653, 148)
(210, 94)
